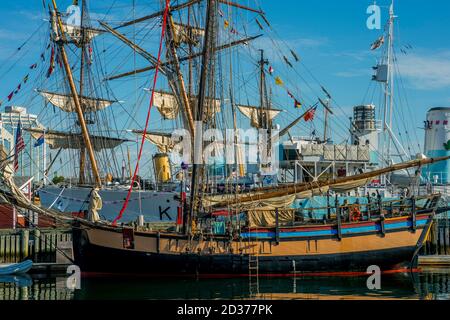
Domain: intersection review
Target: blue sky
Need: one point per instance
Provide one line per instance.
(330, 36)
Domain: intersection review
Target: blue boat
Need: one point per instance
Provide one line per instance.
(15, 268)
(21, 280)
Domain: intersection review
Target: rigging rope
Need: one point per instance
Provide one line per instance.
(155, 78)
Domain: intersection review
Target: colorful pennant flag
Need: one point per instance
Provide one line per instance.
(18, 89)
(290, 95)
(378, 43)
(33, 66)
(309, 116)
(40, 141)
(26, 78)
(297, 103)
(278, 81)
(90, 54)
(52, 63)
(226, 24)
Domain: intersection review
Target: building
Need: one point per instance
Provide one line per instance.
(32, 159)
(437, 144)
(305, 159)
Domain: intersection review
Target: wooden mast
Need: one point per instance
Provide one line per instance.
(208, 50)
(191, 72)
(262, 88)
(81, 179)
(297, 188)
(182, 86)
(78, 109)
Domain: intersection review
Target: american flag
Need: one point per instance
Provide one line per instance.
(20, 145)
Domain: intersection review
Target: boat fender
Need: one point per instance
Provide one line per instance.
(383, 230)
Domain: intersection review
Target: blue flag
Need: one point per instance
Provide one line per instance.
(39, 141)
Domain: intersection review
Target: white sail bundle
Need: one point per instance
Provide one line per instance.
(67, 140)
(65, 102)
(187, 34)
(164, 142)
(75, 33)
(168, 106)
(253, 114)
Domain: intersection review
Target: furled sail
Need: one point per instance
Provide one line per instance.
(75, 33)
(269, 204)
(253, 114)
(166, 104)
(163, 141)
(67, 140)
(65, 102)
(187, 34)
(168, 107)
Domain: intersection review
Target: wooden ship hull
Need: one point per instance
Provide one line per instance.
(390, 244)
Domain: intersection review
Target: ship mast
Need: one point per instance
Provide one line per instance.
(182, 86)
(264, 114)
(262, 91)
(82, 180)
(389, 137)
(208, 51)
(76, 99)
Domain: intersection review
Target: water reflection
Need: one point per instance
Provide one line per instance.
(431, 284)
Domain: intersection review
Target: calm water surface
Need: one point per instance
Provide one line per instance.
(429, 284)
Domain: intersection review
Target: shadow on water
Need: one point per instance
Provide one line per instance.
(430, 284)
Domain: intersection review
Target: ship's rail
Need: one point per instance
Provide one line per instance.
(374, 207)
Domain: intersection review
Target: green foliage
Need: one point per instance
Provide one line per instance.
(58, 179)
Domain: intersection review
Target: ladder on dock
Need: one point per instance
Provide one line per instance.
(253, 267)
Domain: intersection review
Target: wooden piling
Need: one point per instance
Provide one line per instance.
(37, 240)
(18, 250)
(447, 239)
(2, 249)
(433, 236)
(25, 244)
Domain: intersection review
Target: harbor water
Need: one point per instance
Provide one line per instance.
(432, 284)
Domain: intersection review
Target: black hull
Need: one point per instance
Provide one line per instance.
(92, 258)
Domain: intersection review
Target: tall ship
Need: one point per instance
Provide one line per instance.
(321, 207)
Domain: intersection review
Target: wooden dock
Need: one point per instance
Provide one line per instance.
(434, 261)
(40, 245)
(438, 241)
